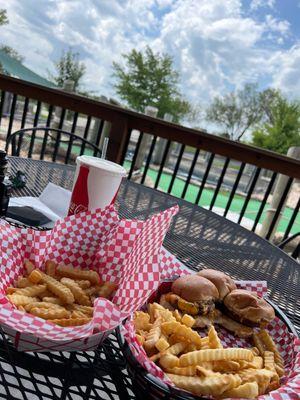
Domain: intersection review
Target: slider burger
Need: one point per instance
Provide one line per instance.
(222, 282)
(248, 308)
(193, 295)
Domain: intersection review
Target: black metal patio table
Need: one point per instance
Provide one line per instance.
(198, 237)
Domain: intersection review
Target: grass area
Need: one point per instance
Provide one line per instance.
(221, 201)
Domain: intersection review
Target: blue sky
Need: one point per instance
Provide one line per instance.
(217, 45)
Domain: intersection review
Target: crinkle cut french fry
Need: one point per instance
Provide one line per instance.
(90, 291)
(189, 335)
(271, 346)
(58, 288)
(141, 320)
(31, 291)
(263, 378)
(50, 267)
(11, 290)
(188, 320)
(257, 362)
(21, 300)
(23, 282)
(71, 321)
(35, 276)
(255, 351)
(153, 335)
(201, 371)
(205, 343)
(77, 292)
(53, 300)
(191, 347)
(258, 343)
(45, 293)
(76, 273)
(177, 314)
(42, 304)
(196, 357)
(166, 315)
(176, 348)
(50, 313)
(169, 361)
(29, 267)
(84, 284)
(210, 385)
(107, 289)
(247, 390)
(214, 341)
(140, 339)
(225, 366)
(269, 362)
(84, 309)
(185, 371)
(77, 314)
(162, 344)
(169, 327)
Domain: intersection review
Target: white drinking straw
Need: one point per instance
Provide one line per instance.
(104, 148)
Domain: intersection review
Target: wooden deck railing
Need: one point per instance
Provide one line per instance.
(197, 162)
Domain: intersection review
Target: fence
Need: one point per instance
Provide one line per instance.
(227, 177)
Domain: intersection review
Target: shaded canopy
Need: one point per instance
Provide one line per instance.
(16, 69)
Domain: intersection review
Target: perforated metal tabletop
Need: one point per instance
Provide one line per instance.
(198, 237)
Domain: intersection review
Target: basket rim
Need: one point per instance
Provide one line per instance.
(169, 390)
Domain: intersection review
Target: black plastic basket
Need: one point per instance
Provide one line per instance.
(147, 386)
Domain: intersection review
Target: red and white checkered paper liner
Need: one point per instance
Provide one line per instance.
(287, 343)
(123, 251)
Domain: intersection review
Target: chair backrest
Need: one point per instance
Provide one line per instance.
(296, 251)
(45, 143)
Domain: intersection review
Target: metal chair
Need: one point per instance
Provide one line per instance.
(50, 144)
(296, 253)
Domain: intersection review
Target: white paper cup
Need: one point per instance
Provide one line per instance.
(96, 184)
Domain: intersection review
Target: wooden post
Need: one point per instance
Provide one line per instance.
(280, 186)
(118, 138)
(144, 147)
(161, 145)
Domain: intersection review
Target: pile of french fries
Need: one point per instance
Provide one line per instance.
(62, 294)
(201, 365)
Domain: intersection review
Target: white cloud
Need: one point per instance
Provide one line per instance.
(287, 75)
(255, 4)
(273, 24)
(215, 46)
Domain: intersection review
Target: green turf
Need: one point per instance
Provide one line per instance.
(221, 201)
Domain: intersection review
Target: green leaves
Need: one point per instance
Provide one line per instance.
(237, 111)
(281, 129)
(3, 17)
(148, 79)
(69, 67)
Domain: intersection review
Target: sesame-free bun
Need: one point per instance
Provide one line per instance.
(248, 308)
(194, 288)
(223, 282)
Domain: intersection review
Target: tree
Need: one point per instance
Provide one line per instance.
(7, 49)
(68, 67)
(3, 17)
(149, 79)
(281, 129)
(237, 112)
(12, 53)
